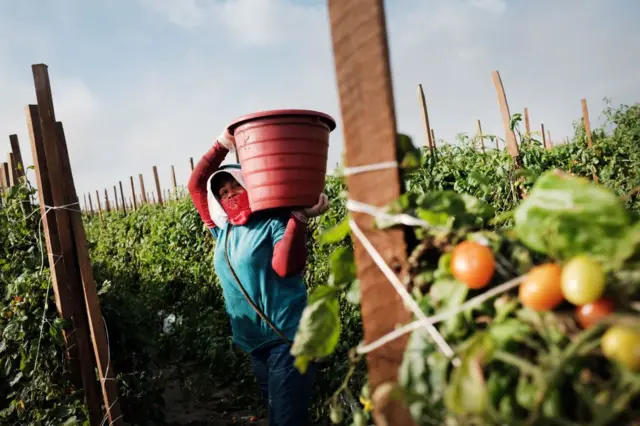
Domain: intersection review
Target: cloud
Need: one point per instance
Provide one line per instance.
(180, 70)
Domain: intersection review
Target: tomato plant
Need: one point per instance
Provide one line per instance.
(591, 313)
(473, 264)
(541, 290)
(623, 345)
(583, 280)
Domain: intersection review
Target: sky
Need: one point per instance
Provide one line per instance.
(139, 83)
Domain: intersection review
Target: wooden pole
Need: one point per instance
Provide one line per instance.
(86, 206)
(115, 197)
(433, 139)
(173, 179)
(6, 175)
(363, 73)
(97, 324)
(52, 241)
(90, 203)
(3, 177)
(512, 145)
(527, 125)
(158, 189)
(17, 154)
(49, 148)
(425, 118)
(142, 190)
(12, 169)
(480, 136)
(133, 193)
(98, 198)
(586, 122)
(153, 198)
(191, 163)
(124, 204)
(544, 136)
(107, 204)
(549, 143)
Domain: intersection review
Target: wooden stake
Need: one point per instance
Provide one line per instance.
(133, 193)
(526, 123)
(544, 136)
(17, 155)
(115, 197)
(13, 172)
(86, 206)
(191, 163)
(363, 73)
(586, 122)
(142, 190)
(4, 182)
(107, 204)
(433, 139)
(90, 203)
(549, 143)
(97, 324)
(173, 179)
(52, 241)
(425, 118)
(512, 145)
(124, 204)
(480, 136)
(50, 147)
(158, 189)
(6, 175)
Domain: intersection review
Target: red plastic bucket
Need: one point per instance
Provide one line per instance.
(283, 154)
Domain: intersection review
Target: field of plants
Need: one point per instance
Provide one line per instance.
(562, 347)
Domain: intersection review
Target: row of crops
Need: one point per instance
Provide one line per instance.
(525, 360)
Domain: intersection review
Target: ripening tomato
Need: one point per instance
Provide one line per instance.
(622, 344)
(591, 313)
(541, 289)
(583, 280)
(472, 264)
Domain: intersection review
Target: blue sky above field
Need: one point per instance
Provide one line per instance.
(139, 83)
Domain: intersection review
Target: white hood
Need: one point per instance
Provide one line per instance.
(217, 213)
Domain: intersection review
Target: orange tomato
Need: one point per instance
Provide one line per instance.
(542, 287)
(593, 312)
(472, 264)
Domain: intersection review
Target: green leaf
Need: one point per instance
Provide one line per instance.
(337, 233)
(343, 267)
(564, 216)
(319, 329)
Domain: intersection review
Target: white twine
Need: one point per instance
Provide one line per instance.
(397, 285)
(389, 218)
(350, 171)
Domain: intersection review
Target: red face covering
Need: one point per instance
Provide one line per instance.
(237, 208)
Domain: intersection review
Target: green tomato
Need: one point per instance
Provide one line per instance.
(336, 415)
(583, 280)
(622, 344)
(358, 419)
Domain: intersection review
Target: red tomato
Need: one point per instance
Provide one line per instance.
(591, 313)
(473, 264)
(542, 287)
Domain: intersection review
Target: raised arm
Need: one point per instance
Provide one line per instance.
(290, 253)
(205, 167)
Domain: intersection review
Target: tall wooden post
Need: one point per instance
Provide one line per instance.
(6, 174)
(133, 193)
(90, 203)
(115, 198)
(586, 122)
(544, 136)
(98, 198)
(86, 206)
(173, 180)
(142, 190)
(17, 154)
(107, 204)
(4, 182)
(527, 125)
(106, 370)
(50, 148)
(124, 204)
(510, 139)
(480, 135)
(425, 118)
(12, 169)
(549, 143)
(191, 163)
(433, 139)
(363, 73)
(158, 189)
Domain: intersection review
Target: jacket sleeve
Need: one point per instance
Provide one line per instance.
(197, 186)
(290, 253)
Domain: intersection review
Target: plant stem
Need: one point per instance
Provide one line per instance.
(522, 364)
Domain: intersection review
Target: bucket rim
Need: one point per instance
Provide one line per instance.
(330, 121)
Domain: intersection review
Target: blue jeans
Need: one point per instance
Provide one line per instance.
(286, 392)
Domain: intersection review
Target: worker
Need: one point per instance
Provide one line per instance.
(259, 259)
